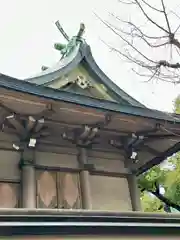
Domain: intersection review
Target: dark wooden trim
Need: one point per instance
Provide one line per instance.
(109, 174)
(86, 224)
(9, 149)
(78, 170)
(57, 169)
(15, 181)
(41, 145)
(158, 159)
(152, 136)
(79, 125)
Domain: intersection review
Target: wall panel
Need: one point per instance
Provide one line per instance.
(110, 193)
(56, 160)
(9, 165)
(58, 190)
(105, 161)
(9, 195)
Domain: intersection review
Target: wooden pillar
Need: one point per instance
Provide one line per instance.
(134, 192)
(84, 180)
(28, 179)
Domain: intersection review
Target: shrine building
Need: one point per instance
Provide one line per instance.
(72, 139)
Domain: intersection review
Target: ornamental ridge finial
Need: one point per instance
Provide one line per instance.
(66, 49)
(81, 30)
(60, 28)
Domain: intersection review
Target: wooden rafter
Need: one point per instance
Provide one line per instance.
(159, 158)
(17, 124)
(30, 123)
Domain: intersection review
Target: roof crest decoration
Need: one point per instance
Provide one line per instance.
(66, 49)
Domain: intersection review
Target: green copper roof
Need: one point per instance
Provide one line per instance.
(76, 52)
(49, 93)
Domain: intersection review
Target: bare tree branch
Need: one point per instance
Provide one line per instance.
(134, 33)
(164, 63)
(150, 6)
(125, 40)
(138, 43)
(127, 2)
(139, 29)
(150, 19)
(166, 17)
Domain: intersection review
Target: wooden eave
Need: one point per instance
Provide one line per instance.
(71, 111)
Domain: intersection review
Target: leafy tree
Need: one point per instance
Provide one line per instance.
(150, 203)
(172, 182)
(156, 179)
(159, 177)
(177, 105)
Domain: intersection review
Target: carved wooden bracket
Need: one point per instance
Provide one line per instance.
(132, 144)
(86, 135)
(27, 128)
(128, 145)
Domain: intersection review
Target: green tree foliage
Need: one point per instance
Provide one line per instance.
(151, 203)
(172, 181)
(177, 105)
(150, 183)
(159, 177)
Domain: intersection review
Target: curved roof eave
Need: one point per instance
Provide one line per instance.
(61, 68)
(17, 85)
(93, 67)
(81, 52)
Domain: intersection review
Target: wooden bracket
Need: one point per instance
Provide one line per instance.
(83, 137)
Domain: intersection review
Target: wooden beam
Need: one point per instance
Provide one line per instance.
(139, 148)
(9, 130)
(158, 159)
(41, 134)
(7, 109)
(3, 116)
(16, 124)
(114, 132)
(9, 149)
(84, 180)
(31, 121)
(122, 174)
(48, 111)
(79, 125)
(134, 192)
(150, 150)
(39, 125)
(28, 178)
(9, 180)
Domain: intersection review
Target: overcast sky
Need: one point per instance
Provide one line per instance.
(27, 35)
